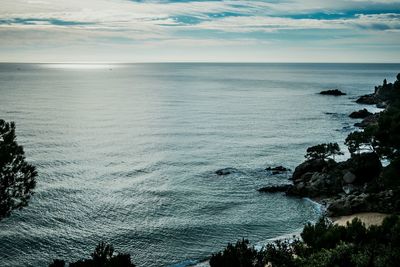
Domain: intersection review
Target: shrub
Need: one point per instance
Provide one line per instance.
(103, 256)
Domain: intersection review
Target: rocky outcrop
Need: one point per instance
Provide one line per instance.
(325, 178)
(387, 201)
(277, 170)
(334, 92)
(315, 178)
(369, 120)
(383, 96)
(370, 99)
(361, 114)
(309, 166)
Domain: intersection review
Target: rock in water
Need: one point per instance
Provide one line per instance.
(277, 169)
(308, 166)
(370, 99)
(361, 114)
(275, 188)
(369, 120)
(225, 171)
(334, 92)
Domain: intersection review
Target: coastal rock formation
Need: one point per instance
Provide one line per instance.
(384, 94)
(385, 201)
(370, 99)
(361, 183)
(334, 92)
(324, 178)
(361, 114)
(316, 178)
(369, 120)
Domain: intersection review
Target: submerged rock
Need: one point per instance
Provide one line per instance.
(275, 188)
(225, 171)
(277, 169)
(334, 92)
(361, 114)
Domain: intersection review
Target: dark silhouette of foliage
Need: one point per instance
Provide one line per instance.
(323, 234)
(280, 253)
(17, 177)
(388, 132)
(327, 245)
(390, 176)
(103, 256)
(238, 255)
(356, 141)
(323, 151)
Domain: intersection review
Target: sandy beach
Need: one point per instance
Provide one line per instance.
(369, 218)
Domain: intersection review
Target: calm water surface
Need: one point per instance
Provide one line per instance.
(127, 153)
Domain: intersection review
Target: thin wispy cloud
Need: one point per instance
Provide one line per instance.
(143, 24)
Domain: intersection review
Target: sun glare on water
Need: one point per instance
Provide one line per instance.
(82, 66)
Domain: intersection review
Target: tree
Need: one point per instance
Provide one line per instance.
(355, 141)
(17, 177)
(238, 255)
(103, 256)
(323, 151)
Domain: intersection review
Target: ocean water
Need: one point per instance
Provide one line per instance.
(127, 153)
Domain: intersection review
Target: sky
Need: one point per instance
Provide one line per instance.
(199, 31)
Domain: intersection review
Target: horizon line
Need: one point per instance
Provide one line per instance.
(196, 62)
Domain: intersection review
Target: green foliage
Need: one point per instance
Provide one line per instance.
(17, 177)
(239, 255)
(323, 151)
(327, 245)
(323, 234)
(280, 253)
(103, 256)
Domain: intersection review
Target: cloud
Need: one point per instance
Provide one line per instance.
(267, 24)
(204, 23)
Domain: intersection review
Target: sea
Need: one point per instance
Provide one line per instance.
(127, 153)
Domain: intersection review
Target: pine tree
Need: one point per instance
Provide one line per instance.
(17, 177)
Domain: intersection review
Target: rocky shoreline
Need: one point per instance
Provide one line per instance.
(350, 186)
